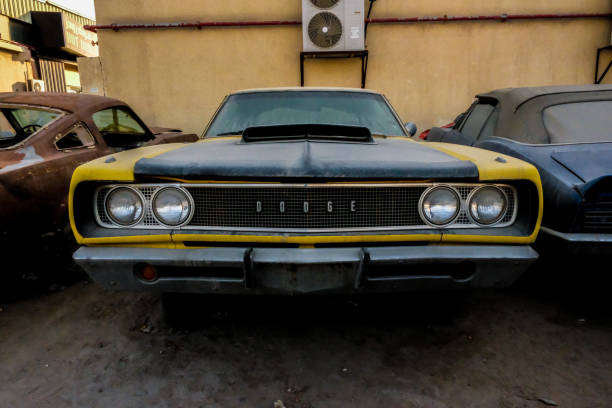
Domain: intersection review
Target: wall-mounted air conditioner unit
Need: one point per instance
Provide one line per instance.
(333, 25)
(36, 85)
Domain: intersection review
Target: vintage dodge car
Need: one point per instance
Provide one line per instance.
(305, 190)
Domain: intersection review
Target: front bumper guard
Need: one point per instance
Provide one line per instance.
(576, 243)
(297, 270)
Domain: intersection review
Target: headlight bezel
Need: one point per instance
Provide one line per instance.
(468, 205)
(143, 203)
(159, 219)
(428, 192)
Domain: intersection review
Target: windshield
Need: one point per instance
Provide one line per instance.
(16, 124)
(117, 120)
(246, 110)
(120, 128)
(579, 122)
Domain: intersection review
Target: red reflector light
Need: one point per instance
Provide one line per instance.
(146, 272)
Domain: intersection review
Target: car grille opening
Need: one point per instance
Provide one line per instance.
(284, 208)
(597, 209)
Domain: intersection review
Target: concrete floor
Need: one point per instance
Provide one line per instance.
(84, 347)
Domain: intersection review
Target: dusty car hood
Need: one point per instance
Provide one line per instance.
(230, 158)
(590, 161)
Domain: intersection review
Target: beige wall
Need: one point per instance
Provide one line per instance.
(90, 73)
(430, 72)
(13, 73)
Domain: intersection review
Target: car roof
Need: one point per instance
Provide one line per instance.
(306, 89)
(520, 113)
(65, 101)
(513, 98)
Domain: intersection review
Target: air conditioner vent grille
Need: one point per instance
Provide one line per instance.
(324, 4)
(325, 30)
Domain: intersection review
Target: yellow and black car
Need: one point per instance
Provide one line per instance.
(307, 190)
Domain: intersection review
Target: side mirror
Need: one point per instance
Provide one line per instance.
(411, 128)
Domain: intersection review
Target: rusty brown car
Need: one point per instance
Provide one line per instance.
(43, 138)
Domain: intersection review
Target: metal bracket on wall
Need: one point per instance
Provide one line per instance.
(336, 54)
(598, 78)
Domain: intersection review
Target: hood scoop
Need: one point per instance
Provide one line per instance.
(339, 133)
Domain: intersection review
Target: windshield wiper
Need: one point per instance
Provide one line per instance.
(233, 132)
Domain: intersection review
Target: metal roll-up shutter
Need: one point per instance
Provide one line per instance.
(52, 72)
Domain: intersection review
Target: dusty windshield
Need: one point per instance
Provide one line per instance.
(246, 110)
(16, 124)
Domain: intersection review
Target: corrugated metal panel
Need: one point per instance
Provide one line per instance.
(19, 9)
(52, 72)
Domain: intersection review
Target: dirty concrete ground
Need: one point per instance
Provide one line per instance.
(532, 346)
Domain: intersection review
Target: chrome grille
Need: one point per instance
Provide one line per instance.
(353, 207)
(100, 211)
(597, 214)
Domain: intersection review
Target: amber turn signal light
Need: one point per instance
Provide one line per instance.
(146, 272)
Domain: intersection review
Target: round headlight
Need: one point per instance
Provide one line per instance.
(124, 206)
(440, 205)
(488, 205)
(172, 206)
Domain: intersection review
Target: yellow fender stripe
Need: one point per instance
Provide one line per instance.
(120, 170)
(492, 169)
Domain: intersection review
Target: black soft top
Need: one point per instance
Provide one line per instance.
(520, 109)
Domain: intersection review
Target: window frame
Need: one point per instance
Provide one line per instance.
(133, 114)
(63, 134)
(488, 101)
(62, 114)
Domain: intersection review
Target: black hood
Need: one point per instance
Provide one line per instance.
(232, 159)
(590, 162)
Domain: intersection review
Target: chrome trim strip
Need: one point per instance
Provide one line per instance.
(578, 237)
(159, 186)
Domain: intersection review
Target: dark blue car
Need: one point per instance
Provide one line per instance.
(566, 132)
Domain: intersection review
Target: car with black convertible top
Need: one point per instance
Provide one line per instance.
(305, 190)
(566, 132)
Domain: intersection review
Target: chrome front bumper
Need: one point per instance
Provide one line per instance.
(576, 243)
(302, 271)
